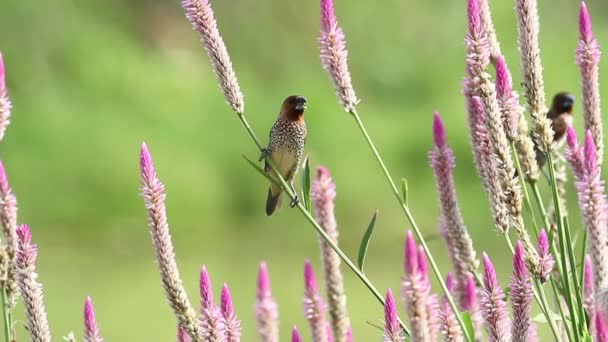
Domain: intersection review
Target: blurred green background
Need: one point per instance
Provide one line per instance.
(91, 80)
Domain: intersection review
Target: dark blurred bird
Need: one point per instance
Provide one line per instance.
(560, 115)
(285, 148)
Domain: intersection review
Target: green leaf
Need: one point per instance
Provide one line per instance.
(468, 323)
(261, 171)
(306, 183)
(540, 318)
(375, 325)
(405, 190)
(365, 241)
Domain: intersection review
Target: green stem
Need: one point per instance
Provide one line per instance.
(316, 225)
(562, 242)
(6, 316)
(561, 310)
(541, 208)
(524, 188)
(575, 279)
(413, 223)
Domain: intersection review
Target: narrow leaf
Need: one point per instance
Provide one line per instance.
(468, 323)
(261, 171)
(365, 241)
(306, 183)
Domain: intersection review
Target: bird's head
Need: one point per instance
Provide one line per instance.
(562, 103)
(293, 107)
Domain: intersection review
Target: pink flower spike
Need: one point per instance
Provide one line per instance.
(523, 329)
(571, 137)
(266, 309)
(411, 257)
(5, 102)
(146, 164)
(590, 153)
(449, 282)
(493, 305)
(328, 15)
(507, 99)
(439, 136)
(91, 331)
(206, 289)
(601, 330)
(589, 287)
(584, 24)
(392, 330)
(423, 265)
(504, 85)
(314, 307)
(546, 259)
(232, 326)
(295, 335)
(2, 75)
(475, 26)
(182, 335)
(471, 301)
(349, 334)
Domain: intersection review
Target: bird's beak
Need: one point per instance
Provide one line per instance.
(301, 106)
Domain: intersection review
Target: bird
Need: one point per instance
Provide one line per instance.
(285, 148)
(560, 115)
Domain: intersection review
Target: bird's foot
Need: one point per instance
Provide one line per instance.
(294, 201)
(264, 154)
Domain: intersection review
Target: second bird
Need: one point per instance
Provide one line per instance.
(285, 148)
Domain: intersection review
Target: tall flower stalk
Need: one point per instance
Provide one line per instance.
(416, 292)
(392, 330)
(232, 326)
(314, 307)
(266, 308)
(153, 192)
(91, 330)
(493, 305)
(588, 58)
(522, 329)
(211, 317)
(323, 193)
(449, 329)
(5, 102)
(460, 244)
(31, 289)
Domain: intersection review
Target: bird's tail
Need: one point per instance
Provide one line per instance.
(274, 199)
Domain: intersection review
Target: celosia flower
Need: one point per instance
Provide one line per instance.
(416, 293)
(31, 290)
(153, 192)
(334, 56)
(392, 330)
(232, 326)
(200, 15)
(5, 102)
(522, 329)
(91, 331)
(574, 153)
(460, 244)
(182, 335)
(589, 289)
(295, 335)
(493, 306)
(323, 193)
(211, 317)
(601, 330)
(546, 259)
(8, 217)
(449, 328)
(588, 59)
(266, 309)
(314, 307)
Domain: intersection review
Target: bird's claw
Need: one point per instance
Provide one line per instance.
(263, 155)
(294, 201)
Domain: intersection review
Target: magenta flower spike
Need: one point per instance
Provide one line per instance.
(91, 331)
(392, 330)
(411, 254)
(589, 288)
(546, 259)
(35, 312)
(201, 16)
(182, 335)
(454, 231)
(448, 324)
(314, 307)
(493, 306)
(295, 335)
(349, 334)
(507, 99)
(334, 56)
(416, 293)
(601, 329)
(211, 317)
(5, 102)
(588, 58)
(8, 218)
(522, 329)
(266, 308)
(323, 193)
(232, 326)
(153, 193)
(574, 153)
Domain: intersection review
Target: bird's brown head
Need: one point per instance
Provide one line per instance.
(293, 107)
(562, 104)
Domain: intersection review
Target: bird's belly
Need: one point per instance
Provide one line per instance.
(285, 160)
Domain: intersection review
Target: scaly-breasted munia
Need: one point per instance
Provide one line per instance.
(285, 148)
(560, 115)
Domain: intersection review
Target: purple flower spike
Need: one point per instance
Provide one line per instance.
(584, 24)
(211, 317)
(206, 289)
(523, 329)
(182, 335)
(438, 131)
(328, 15)
(232, 326)
(493, 306)
(91, 331)
(590, 153)
(589, 287)
(392, 330)
(5, 103)
(411, 256)
(449, 282)
(295, 335)
(546, 259)
(314, 307)
(601, 330)
(471, 302)
(475, 26)
(423, 265)
(507, 99)
(574, 154)
(8, 218)
(266, 309)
